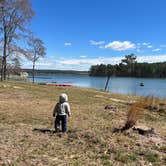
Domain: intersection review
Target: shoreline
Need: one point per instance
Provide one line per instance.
(137, 91)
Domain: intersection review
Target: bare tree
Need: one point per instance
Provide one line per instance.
(36, 51)
(14, 67)
(1, 66)
(15, 15)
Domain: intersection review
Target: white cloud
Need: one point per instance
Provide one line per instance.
(43, 63)
(120, 45)
(96, 43)
(149, 46)
(92, 61)
(102, 47)
(152, 58)
(112, 60)
(67, 44)
(146, 44)
(123, 45)
(156, 49)
(138, 50)
(85, 63)
(83, 56)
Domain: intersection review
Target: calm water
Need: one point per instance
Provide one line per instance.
(152, 86)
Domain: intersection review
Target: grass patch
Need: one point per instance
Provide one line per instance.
(125, 157)
(163, 149)
(151, 156)
(90, 140)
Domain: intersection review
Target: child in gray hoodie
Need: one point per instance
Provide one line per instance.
(61, 110)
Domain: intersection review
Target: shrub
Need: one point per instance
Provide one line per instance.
(135, 110)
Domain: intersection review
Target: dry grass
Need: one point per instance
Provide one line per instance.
(90, 140)
(136, 109)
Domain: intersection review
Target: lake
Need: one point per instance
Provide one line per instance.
(121, 85)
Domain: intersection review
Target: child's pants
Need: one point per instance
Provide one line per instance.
(63, 120)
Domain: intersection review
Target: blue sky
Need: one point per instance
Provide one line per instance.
(81, 33)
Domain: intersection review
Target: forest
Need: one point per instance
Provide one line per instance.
(129, 67)
(44, 71)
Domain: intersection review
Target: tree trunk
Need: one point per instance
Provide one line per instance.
(2, 69)
(4, 58)
(2, 72)
(106, 85)
(33, 72)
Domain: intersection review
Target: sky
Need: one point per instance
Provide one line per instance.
(81, 33)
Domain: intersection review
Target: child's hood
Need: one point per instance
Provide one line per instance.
(63, 98)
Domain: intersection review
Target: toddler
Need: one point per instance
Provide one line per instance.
(61, 110)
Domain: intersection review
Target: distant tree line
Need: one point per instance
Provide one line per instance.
(129, 67)
(44, 72)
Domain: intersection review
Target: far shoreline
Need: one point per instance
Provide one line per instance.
(17, 80)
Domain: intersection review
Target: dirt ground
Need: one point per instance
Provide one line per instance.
(27, 129)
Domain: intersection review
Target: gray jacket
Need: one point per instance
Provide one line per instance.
(62, 107)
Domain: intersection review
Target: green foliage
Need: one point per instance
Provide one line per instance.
(129, 59)
(125, 157)
(133, 157)
(106, 163)
(100, 69)
(43, 72)
(129, 67)
(152, 157)
(120, 157)
(105, 158)
(41, 83)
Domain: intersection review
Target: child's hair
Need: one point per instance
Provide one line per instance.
(63, 97)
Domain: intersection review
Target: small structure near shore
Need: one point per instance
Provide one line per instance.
(55, 84)
(24, 74)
